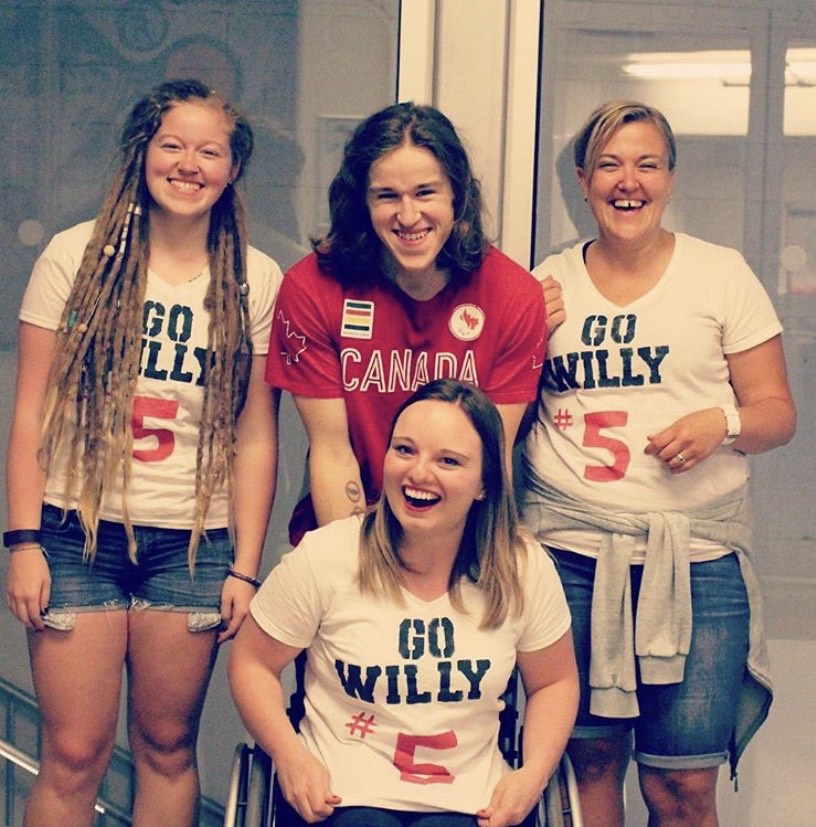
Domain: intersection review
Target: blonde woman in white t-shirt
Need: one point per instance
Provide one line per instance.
(413, 618)
(668, 370)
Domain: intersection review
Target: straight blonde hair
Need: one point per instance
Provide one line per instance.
(493, 544)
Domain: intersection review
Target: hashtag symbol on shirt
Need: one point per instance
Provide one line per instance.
(562, 419)
(362, 725)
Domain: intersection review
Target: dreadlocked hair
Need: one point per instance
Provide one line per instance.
(91, 395)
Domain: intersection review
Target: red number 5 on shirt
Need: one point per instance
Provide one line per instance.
(145, 407)
(595, 423)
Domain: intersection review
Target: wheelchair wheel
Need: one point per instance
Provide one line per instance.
(234, 808)
(559, 804)
(258, 795)
(570, 785)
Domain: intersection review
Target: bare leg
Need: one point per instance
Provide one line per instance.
(600, 769)
(680, 798)
(78, 678)
(169, 669)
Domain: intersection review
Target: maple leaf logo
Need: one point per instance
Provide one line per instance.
(470, 320)
(467, 322)
(295, 342)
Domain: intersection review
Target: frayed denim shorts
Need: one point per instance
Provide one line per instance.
(159, 579)
(687, 725)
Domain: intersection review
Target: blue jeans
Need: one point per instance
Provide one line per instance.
(375, 817)
(287, 816)
(686, 725)
(161, 578)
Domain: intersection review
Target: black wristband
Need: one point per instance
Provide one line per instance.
(22, 535)
(245, 577)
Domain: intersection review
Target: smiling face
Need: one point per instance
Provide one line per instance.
(433, 471)
(631, 183)
(189, 161)
(410, 200)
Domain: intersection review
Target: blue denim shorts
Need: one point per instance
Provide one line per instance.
(160, 579)
(686, 725)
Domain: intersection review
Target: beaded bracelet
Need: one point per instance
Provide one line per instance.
(18, 536)
(245, 578)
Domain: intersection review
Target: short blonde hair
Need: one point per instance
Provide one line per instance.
(606, 120)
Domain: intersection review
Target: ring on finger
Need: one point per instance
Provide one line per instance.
(680, 458)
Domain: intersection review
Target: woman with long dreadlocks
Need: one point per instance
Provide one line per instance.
(142, 457)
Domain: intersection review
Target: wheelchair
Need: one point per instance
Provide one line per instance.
(251, 796)
(251, 800)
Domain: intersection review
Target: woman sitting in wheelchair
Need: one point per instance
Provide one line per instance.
(414, 617)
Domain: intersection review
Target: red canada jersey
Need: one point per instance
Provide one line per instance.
(373, 346)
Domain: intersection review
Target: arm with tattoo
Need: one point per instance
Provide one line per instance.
(334, 473)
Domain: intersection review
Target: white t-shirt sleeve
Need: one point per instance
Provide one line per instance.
(288, 606)
(546, 615)
(749, 317)
(53, 277)
(264, 278)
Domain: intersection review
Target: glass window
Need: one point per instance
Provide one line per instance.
(71, 70)
(695, 68)
(798, 240)
(304, 71)
(737, 82)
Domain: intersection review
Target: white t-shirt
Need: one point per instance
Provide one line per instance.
(169, 393)
(615, 374)
(402, 702)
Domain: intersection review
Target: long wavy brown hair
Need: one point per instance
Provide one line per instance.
(96, 363)
(351, 251)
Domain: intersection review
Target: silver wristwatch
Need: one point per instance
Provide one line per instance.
(733, 424)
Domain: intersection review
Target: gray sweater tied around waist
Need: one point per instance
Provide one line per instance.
(660, 633)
